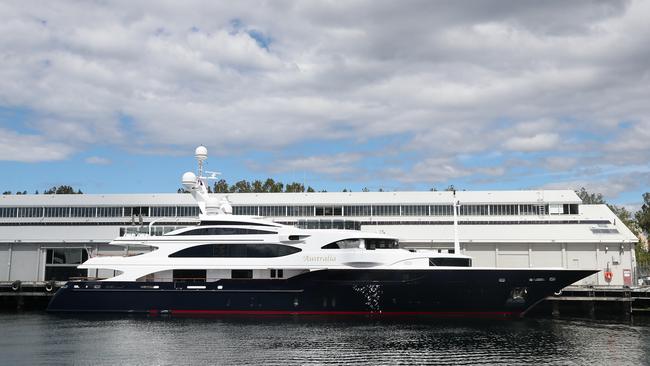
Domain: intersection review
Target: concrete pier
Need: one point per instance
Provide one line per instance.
(27, 295)
(596, 302)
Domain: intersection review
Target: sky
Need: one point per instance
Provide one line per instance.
(113, 96)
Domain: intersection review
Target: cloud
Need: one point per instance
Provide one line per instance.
(30, 148)
(538, 142)
(551, 79)
(97, 160)
(332, 165)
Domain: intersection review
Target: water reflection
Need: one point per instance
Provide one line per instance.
(36, 338)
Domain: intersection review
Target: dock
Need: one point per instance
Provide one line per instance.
(596, 302)
(27, 295)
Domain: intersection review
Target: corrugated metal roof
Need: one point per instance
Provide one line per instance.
(324, 198)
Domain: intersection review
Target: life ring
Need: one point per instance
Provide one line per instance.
(49, 286)
(558, 293)
(608, 276)
(15, 285)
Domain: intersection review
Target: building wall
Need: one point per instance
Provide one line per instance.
(25, 262)
(4, 261)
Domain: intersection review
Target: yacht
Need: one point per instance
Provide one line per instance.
(232, 264)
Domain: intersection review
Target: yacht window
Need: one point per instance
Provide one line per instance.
(241, 273)
(224, 231)
(236, 251)
(381, 244)
(232, 223)
(343, 244)
(450, 262)
(273, 273)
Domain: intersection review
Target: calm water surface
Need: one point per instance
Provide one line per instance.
(43, 339)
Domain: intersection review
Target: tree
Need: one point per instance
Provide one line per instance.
(258, 186)
(241, 187)
(310, 189)
(63, 189)
(590, 198)
(6, 192)
(643, 215)
(294, 187)
(221, 186)
(626, 217)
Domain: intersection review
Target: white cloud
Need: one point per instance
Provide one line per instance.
(496, 76)
(97, 160)
(538, 142)
(30, 148)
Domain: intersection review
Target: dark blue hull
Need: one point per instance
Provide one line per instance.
(451, 292)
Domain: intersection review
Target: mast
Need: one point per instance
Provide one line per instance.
(456, 206)
(198, 187)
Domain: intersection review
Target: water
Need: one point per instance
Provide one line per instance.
(43, 339)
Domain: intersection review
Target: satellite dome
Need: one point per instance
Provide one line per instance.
(189, 178)
(201, 152)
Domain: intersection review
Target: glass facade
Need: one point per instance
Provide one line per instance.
(530, 209)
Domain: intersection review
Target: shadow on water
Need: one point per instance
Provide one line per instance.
(39, 338)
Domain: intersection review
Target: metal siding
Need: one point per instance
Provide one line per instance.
(25, 262)
(4, 262)
(547, 255)
(483, 255)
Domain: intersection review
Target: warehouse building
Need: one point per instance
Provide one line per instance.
(45, 237)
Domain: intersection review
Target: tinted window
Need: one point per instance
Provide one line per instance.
(204, 223)
(236, 251)
(450, 262)
(224, 231)
(381, 244)
(241, 273)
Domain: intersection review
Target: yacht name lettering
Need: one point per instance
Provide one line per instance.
(319, 258)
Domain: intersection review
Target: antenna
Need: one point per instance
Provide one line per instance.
(456, 206)
(201, 154)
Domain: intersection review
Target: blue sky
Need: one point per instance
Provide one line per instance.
(113, 97)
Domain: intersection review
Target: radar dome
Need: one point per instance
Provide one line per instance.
(201, 152)
(189, 178)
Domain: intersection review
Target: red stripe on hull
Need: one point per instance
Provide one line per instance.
(459, 314)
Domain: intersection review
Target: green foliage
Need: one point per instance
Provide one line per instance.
(643, 215)
(63, 189)
(590, 198)
(258, 186)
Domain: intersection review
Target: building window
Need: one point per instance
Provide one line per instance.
(300, 210)
(329, 211)
(8, 211)
(441, 210)
(415, 210)
(187, 211)
(356, 210)
(136, 211)
(29, 212)
(163, 211)
(275, 211)
(61, 263)
(385, 210)
(82, 211)
(109, 212)
(245, 210)
(57, 211)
